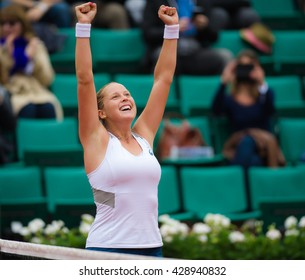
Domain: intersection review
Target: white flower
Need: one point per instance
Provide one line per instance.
(168, 238)
(236, 236)
(217, 220)
(166, 219)
(84, 228)
(51, 229)
(36, 240)
(203, 238)
(167, 230)
(291, 222)
(183, 229)
(292, 232)
(16, 227)
(273, 234)
(87, 218)
(201, 228)
(24, 231)
(65, 230)
(302, 222)
(36, 225)
(58, 224)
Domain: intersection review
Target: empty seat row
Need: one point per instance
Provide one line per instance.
(112, 51)
(57, 193)
(281, 14)
(188, 193)
(271, 194)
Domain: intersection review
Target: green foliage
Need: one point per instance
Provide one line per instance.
(216, 238)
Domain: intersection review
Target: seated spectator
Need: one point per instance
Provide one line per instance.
(46, 17)
(249, 109)
(26, 70)
(259, 37)
(233, 14)
(55, 12)
(135, 10)
(195, 55)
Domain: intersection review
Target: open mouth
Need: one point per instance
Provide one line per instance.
(125, 108)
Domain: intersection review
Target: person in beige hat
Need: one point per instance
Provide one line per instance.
(258, 36)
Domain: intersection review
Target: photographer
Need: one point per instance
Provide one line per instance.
(249, 109)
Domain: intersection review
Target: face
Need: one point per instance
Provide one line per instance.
(247, 60)
(11, 27)
(118, 104)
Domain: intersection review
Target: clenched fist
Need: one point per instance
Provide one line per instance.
(85, 13)
(168, 15)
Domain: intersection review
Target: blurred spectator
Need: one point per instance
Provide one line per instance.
(300, 5)
(258, 36)
(111, 14)
(26, 70)
(7, 126)
(249, 108)
(233, 14)
(135, 9)
(197, 33)
(55, 12)
(46, 17)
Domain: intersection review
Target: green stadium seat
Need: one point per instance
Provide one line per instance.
(69, 194)
(279, 14)
(289, 53)
(117, 51)
(45, 142)
(231, 40)
(196, 94)
(288, 95)
(218, 190)
(221, 132)
(21, 196)
(64, 87)
(292, 138)
(63, 61)
(169, 199)
(140, 87)
(274, 188)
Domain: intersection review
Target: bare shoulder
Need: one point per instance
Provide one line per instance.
(95, 148)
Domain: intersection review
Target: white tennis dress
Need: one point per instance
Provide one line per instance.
(125, 189)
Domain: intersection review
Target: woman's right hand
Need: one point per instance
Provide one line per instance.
(85, 13)
(9, 43)
(228, 73)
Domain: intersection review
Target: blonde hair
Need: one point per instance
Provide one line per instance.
(100, 99)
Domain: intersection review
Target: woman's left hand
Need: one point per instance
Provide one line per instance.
(258, 74)
(31, 47)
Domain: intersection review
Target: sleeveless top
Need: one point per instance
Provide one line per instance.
(125, 189)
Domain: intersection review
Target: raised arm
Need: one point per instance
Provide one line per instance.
(149, 121)
(92, 133)
(89, 122)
